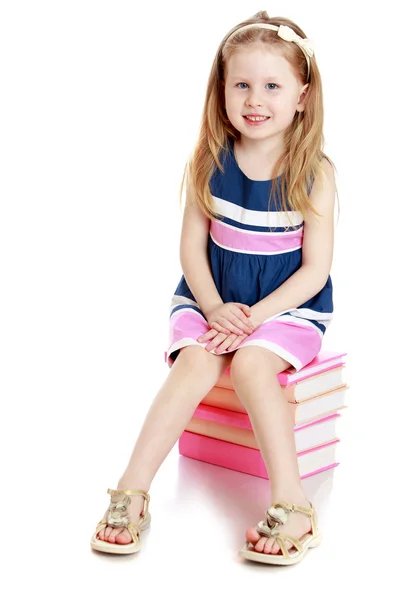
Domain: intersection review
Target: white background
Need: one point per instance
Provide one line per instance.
(100, 108)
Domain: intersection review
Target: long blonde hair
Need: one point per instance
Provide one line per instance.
(303, 140)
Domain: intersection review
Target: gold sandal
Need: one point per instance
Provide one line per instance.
(276, 516)
(117, 518)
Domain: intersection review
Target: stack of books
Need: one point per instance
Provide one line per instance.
(220, 431)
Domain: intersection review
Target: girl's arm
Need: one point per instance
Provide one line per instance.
(317, 254)
(226, 318)
(194, 258)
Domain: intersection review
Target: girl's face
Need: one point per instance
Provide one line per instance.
(259, 81)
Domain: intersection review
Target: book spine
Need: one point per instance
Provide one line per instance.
(243, 435)
(215, 452)
(226, 433)
(230, 456)
(288, 382)
(286, 379)
(242, 421)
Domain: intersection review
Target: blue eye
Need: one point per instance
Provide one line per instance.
(239, 85)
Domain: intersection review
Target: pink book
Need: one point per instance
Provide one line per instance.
(322, 362)
(235, 427)
(325, 360)
(241, 420)
(249, 460)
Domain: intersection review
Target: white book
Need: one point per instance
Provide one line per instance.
(316, 408)
(313, 409)
(318, 384)
(317, 459)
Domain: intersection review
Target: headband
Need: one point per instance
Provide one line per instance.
(287, 34)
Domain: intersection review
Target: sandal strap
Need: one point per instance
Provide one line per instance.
(277, 515)
(282, 538)
(296, 508)
(134, 530)
(100, 525)
(282, 546)
(145, 495)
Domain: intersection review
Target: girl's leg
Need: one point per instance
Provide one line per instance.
(254, 376)
(191, 377)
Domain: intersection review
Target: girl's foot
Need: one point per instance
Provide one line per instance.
(121, 535)
(296, 526)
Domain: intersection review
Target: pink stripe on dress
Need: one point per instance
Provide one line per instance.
(299, 341)
(296, 343)
(255, 242)
(187, 324)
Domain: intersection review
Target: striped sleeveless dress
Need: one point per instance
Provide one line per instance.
(251, 255)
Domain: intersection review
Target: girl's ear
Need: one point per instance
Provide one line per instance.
(302, 97)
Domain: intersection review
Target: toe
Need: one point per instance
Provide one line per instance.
(124, 537)
(252, 535)
(107, 533)
(275, 548)
(268, 545)
(114, 533)
(259, 547)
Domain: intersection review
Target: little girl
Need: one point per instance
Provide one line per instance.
(256, 295)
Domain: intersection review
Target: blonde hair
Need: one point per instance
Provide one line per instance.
(303, 140)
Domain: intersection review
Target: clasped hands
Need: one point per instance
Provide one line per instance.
(229, 325)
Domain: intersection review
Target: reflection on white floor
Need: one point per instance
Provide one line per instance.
(237, 498)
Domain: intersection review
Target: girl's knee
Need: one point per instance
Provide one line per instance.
(250, 360)
(199, 357)
(190, 354)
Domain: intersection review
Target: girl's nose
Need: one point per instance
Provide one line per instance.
(253, 99)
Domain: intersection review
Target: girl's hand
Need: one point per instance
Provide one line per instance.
(231, 317)
(222, 342)
(228, 341)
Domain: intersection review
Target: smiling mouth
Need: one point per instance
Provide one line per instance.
(255, 119)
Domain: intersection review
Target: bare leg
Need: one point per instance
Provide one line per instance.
(254, 376)
(191, 377)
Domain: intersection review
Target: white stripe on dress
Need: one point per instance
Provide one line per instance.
(307, 313)
(256, 217)
(299, 321)
(178, 300)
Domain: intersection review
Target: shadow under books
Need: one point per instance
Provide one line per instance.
(238, 498)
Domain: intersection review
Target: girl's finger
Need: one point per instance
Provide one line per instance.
(236, 343)
(216, 341)
(232, 328)
(207, 336)
(240, 315)
(222, 347)
(239, 319)
(244, 308)
(219, 328)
